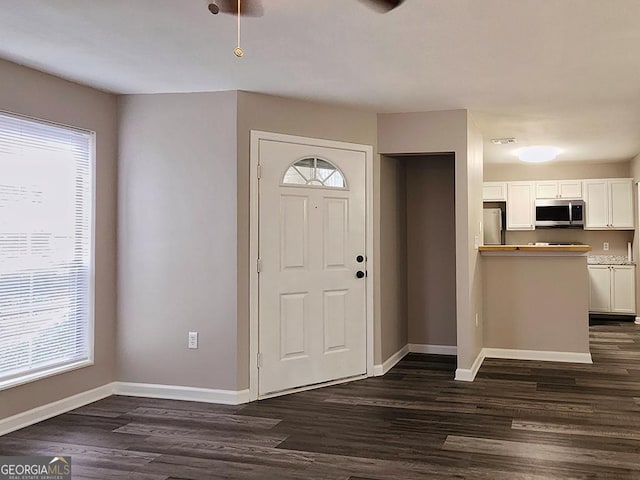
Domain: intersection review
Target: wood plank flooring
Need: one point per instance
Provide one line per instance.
(518, 420)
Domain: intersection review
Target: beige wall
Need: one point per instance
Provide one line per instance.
(472, 330)
(554, 171)
(36, 94)
(536, 303)
(177, 239)
(200, 159)
(444, 132)
(393, 255)
(308, 119)
(431, 241)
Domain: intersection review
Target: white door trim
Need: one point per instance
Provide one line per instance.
(254, 193)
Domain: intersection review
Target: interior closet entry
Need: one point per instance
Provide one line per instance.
(312, 265)
(418, 253)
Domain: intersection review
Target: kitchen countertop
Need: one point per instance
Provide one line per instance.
(609, 260)
(568, 249)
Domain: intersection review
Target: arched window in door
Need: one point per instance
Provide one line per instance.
(314, 172)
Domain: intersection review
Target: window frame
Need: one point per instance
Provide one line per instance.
(30, 377)
(308, 185)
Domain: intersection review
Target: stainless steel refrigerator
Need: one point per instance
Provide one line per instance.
(492, 220)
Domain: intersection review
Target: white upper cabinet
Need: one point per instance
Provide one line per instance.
(569, 189)
(621, 203)
(546, 189)
(521, 206)
(596, 199)
(494, 192)
(609, 204)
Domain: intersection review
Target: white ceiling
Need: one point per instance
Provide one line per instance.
(560, 72)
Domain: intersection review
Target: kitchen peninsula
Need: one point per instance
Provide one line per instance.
(536, 302)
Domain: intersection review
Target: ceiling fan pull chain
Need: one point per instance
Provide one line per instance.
(238, 51)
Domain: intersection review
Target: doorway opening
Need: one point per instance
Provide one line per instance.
(418, 254)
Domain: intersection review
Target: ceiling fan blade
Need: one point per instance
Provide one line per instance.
(248, 8)
(383, 6)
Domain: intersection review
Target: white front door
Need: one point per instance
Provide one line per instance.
(312, 300)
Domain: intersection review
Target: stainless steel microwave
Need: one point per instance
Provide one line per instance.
(559, 214)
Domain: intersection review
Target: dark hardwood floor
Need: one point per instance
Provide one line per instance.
(518, 420)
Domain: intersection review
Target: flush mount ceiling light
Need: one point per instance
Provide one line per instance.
(537, 153)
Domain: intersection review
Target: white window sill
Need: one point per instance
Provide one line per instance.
(40, 375)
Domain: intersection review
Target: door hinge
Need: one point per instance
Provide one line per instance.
(259, 265)
(259, 360)
(259, 172)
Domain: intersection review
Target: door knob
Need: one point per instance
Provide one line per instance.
(359, 259)
(360, 274)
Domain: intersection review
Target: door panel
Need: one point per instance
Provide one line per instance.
(294, 229)
(293, 317)
(312, 307)
(335, 320)
(336, 231)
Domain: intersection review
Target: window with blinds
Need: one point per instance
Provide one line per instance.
(46, 249)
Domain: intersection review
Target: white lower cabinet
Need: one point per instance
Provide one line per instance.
(612, 289)
(623, 291)
(599, 288)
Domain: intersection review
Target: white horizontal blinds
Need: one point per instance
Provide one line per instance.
(46, 204)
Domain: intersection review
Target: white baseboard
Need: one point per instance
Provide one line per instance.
(39, 414)
(379, 370)
(469, 374)
(169, 392)
(433, 349)
(173, 392)
(541, 355)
